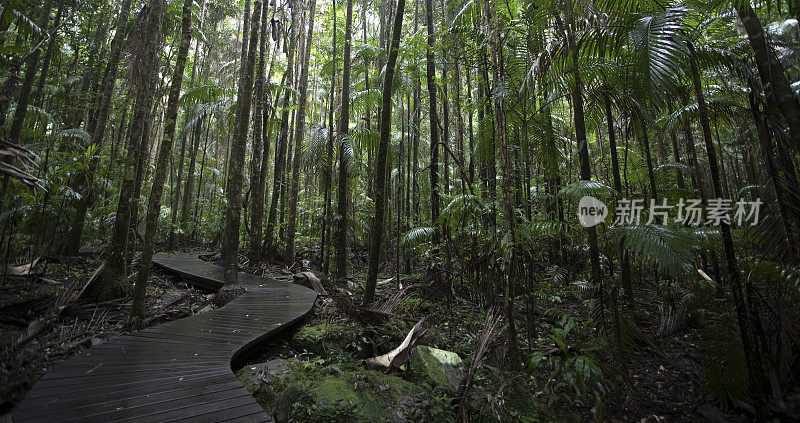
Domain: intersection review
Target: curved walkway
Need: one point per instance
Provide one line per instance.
(176, 371)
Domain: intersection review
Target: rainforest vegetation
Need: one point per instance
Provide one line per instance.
(594, 205)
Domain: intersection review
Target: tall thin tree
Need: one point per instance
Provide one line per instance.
(376, 235)
(162, 165)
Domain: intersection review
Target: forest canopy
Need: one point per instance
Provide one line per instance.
(591, 186)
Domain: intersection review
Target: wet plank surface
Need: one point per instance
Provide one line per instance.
(176, 371)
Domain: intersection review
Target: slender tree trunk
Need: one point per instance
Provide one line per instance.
(744, 317)
(771, 70)
(498, 76)
(300, 127)
(329, 158)
(38, 94)
(344, 144)
(471, 132)
(280, 154)
(236, 163)
(434, 129)
(583, 154)
(376, 236)
(257, 187)
(162, 165)
(109, 282)
(625, 265)
(31, 68)
(107, 91)
(765, 144)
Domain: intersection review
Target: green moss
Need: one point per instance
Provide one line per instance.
(437, 367)
(333, 340)
(344, 392)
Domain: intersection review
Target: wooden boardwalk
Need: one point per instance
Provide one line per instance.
(176, 371)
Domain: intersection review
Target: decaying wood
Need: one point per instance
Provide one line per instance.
(37, 326)
(485, 338)
(92, 280)
(22, 269)
(397, 357)
(313, 280)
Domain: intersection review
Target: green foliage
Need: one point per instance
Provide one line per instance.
(575, 375)
(670, 249)
(723, 356)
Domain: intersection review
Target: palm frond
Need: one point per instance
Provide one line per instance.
(670, 249)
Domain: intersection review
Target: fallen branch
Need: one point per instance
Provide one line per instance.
(37, 326)
(485, 338)
(313, 280)
(397, 357)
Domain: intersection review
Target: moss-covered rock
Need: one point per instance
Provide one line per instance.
(255, 375)
(438, 367)
(315, 392)
(333, 340)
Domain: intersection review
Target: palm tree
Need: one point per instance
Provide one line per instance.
(110, 281)
(344, 127)
(160, 176)
(300, 124)
(376, 238)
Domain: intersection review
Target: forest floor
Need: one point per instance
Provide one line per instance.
(62, 328)
(663, 382)
(663, 376)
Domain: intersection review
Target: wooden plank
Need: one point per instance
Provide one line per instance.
(177, 371)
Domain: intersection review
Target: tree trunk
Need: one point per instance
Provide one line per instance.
(31, 68)
(625, 265)
(38, 95)
(376, 236)
(344, 124)
(162, 165)
(744, 317)
(256, 163)
(110, 281)
(230, 247)
(329, 159)
(280, 153)
(434, 129)
(771, 70)
(498, 76)
(107, 91)
(583, 154)
(300, 127)
(648, 159)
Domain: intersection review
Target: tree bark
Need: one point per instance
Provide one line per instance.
(344, 127)
(771, 70)
(300, 127)
(329, 158)
(743, 314)
(98, 132)
(280, 152)
(434, 129)
(498, 77)
(376, 236)
(110, 281)
(162, 165)
(31, 68)
(230, 246)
